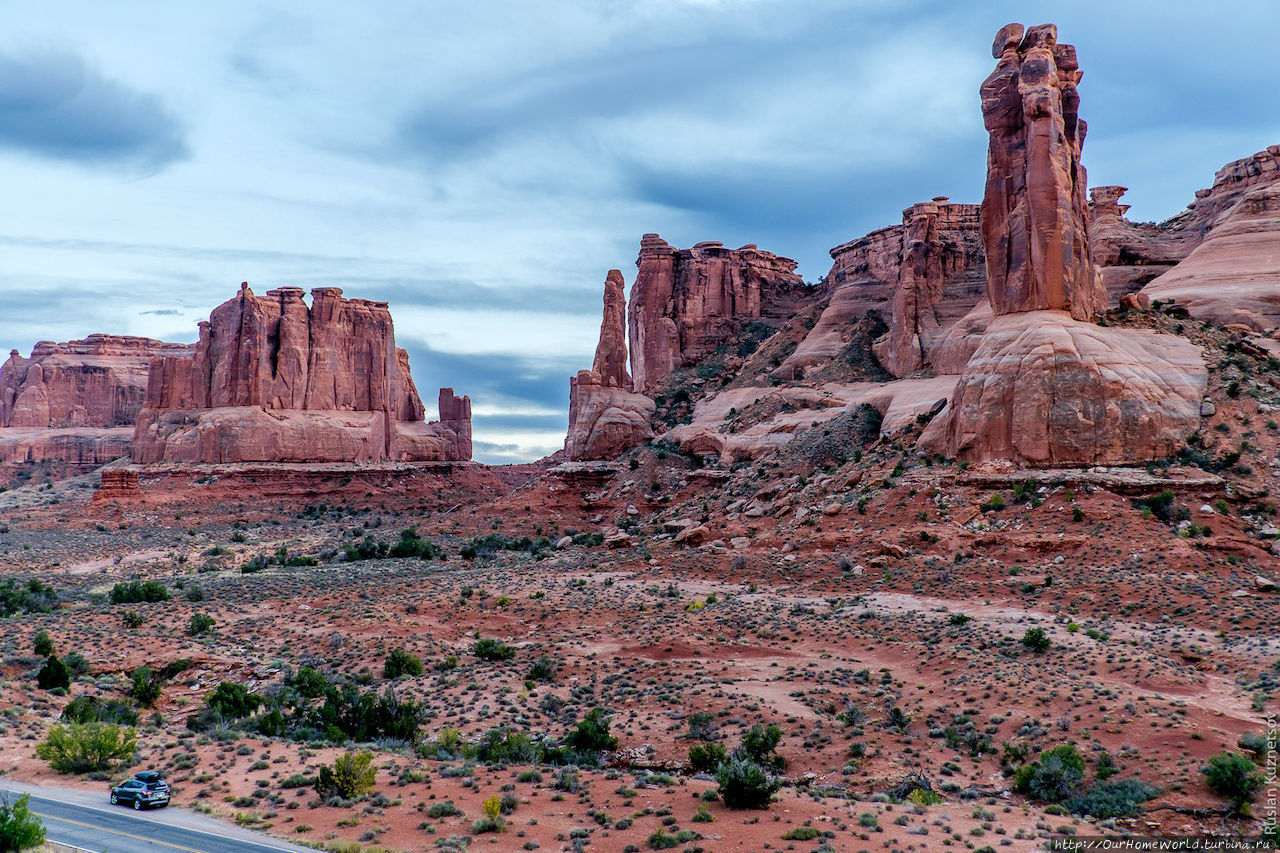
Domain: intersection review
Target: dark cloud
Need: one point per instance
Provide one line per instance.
(53, 105)
(163, 312)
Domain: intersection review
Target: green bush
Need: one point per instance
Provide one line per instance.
(91, 709)
(31, 597)
(146, 686)
(543, 669)
(53, 674)
(745, 784)
(413, 545)
(504, 746)
(19, 828)
(592, 734)
(136, 592)
(233, 700)
(706, 757)
(1054, 777)
(352, 775)
(445, 809)
(1036, 640)
(42, 644)
(399, 662)
(801, 833)
(201, 623)
(86, 747)
(76, 663)
(1234, 777)
(1122, 798)
(760, 745)
(309, 683)
(487, 648)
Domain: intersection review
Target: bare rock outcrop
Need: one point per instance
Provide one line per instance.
(1130, 254)
(1034, 216)
(275, 380)
(117, 484)
(1047, 386)
(100, 381)
(605, 417)
(685, 303)
(1233, 277)
(1045, 389)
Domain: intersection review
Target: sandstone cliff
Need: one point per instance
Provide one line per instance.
(273, 379)
(687, 302)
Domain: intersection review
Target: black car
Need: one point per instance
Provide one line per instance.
(147, 788)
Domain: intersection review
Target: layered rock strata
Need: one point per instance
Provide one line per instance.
(605, 417)
(686, 303)
(275, 380)
(1046, 386)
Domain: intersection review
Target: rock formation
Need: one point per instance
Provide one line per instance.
(1130, 254)
(116, 484)
(100, 381)
(1046, 386)
(605, 416)
(1034, 218)
(275, 380)
(687, 302)
(1233, 277)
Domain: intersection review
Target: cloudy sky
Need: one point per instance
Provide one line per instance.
(481, 164)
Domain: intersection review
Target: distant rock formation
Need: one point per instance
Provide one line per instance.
(275, 380)
(605, 417)
(1130, 254)
(117, 484)
(685, 303)
(1046, 386)
(1234, 275)
(100, 381)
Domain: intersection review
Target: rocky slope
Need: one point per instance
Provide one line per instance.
(275, 380)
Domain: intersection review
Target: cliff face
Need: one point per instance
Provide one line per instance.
(273, 379)
(100, 381)
(687, 302)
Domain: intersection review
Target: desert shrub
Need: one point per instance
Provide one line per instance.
(487, 546)
(593, 539)
(42, 644)
(364, 717)
(445, 809)
(400, 662)
(591, 736)
(760, 745)
(801, 833)
(413, 545)
(145, 686)
(174, 668)
(744, 784)
(53, 675)
(1036, 640)
(233, 701)
(194, 592)
(543, 669)
(351, 775)
(86, 747)
(1234, 777)
(1054, 777)
(201, 623)
(503, 746)
(76, 663)
(1122, 798)
(91, 709)
(367, 548)
(309, 683)
(706, 757)
(487, 648)
(19, 828)
(1160, 505)
(297, 780)
(136, 592)
(133, 619)
(31, 597)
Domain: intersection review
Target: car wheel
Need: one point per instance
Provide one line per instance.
(115, 801)
(137, 805)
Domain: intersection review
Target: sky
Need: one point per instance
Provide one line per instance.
(482, 164)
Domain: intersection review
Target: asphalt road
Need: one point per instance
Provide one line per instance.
(118, 829)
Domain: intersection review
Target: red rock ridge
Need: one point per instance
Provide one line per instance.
(273, 379)
(687, 302)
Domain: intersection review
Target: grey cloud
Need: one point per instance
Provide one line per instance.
(52, 105)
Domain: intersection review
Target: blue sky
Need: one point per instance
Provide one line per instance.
(482, 165)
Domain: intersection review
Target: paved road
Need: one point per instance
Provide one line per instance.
(115, 829)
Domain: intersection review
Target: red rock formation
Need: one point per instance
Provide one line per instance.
(605, 417)
(1130, 254)
(687, 302)
(1233, 277)
(117, 484)
(272, 379)
(100, 381)
(1034, 218)
(1046, 387)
